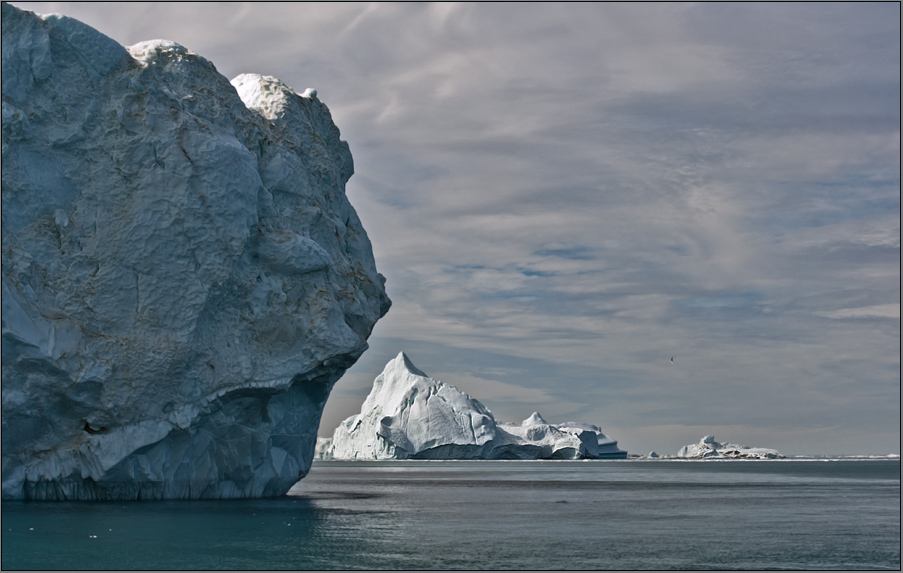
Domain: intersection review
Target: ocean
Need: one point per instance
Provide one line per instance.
(553, 515)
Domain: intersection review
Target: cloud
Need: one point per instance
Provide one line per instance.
(880, 310)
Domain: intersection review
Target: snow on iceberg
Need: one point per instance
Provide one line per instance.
(709, 448)
(184, 278)
(409, 415)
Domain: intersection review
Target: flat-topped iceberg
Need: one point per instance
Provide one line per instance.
(409, 415)
(184, 278)
(709, 448)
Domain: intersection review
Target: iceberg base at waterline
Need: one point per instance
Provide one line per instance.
(409, 415)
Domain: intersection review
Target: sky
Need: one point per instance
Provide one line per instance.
(562, 197)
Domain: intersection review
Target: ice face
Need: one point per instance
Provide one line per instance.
(183, 277)
(533, 420)
(410, 415)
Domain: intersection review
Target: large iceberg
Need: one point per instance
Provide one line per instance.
(709, 448)
(183, 280)
(409, 415)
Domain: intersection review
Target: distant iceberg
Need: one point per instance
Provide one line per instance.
(409, 415)
(709, 448)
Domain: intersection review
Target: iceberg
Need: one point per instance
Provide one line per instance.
(183, 277)
(709, 448)
(409, 415)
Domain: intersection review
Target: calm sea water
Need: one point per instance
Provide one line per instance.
(629, 514)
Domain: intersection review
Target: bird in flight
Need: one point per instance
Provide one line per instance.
(672, 360)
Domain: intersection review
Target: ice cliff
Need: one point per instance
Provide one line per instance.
(709, 448)
(410, 415)
(183, 277)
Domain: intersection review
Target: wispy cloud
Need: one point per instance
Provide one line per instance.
(878, 310)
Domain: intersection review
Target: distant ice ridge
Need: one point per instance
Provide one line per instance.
(183, 279)
(709, 448)
(409, 415)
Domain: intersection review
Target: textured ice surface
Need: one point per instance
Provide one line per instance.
(183, 277)
(709, 448)
(410, 415)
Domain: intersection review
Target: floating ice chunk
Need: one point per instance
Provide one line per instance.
(410, 415)
(709, 448)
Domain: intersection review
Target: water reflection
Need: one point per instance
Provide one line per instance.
(203, 534)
